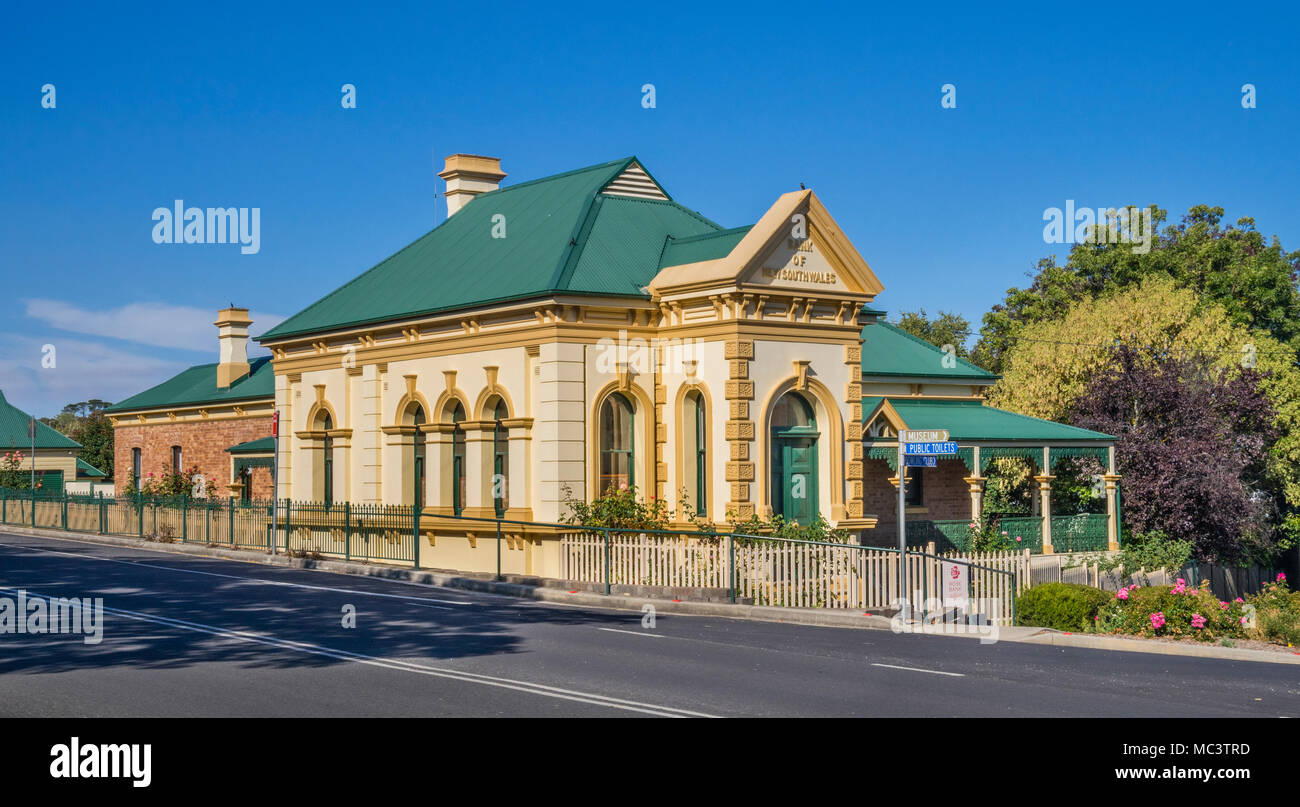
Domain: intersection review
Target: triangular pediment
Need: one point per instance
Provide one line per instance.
(795, 247)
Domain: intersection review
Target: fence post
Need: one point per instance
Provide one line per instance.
(230, 521)
(288, 503)
(65, 510)
(731, 564)
(139, 511)
(415, 539)
(185, 517)
(607, 560)
(33, 501)
(347, 531)
(498, 549)
(103, 514)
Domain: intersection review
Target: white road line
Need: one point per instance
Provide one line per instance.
(256, 580)
(634, 633)
(398, 664)
(918, 669)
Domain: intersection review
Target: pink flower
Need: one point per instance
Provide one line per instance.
(1239, 599)
(1223, 604)
(1180, 588)
(1243, 620)
(1158, 620)
(1198, 621)
(1281, 577)
(1017, 539)
(1123, 594)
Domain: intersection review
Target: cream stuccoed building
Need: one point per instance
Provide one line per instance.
(559, 337)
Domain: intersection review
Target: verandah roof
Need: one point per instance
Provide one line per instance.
(972, 421)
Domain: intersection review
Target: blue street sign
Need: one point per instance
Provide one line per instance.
(923, 449)
(921, 462)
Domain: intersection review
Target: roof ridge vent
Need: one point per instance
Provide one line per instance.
(634, 181)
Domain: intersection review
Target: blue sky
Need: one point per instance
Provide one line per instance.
(233, 105)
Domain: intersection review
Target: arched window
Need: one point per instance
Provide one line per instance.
(793, 459)
(457, 416)
(415, 417)
(617, 458)
(327, 460)
(500, 482)
(695, 452)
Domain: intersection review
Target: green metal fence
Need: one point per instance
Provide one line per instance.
(762, 569)
(1083, 532)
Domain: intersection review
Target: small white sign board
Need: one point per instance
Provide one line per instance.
(925, 436)
(956, 576)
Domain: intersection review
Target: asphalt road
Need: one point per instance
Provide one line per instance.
(189, 636)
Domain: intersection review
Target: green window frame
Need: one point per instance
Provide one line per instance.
(617, 435)
(500, 459)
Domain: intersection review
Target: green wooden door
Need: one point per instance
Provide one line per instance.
(797, 475)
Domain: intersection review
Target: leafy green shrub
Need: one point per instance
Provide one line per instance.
(1179, 611)
(819, 529)
(621, 509)
(1277, 614)
(1063, 606)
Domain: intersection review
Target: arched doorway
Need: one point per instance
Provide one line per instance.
(793, 459)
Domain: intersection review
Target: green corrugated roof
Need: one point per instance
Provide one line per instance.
(620, 252)
(706, 247)
(86, 469)
(561, 235)
(198, 385)
(262, 445)
(890, 351)
(13, 430)
(971, 420)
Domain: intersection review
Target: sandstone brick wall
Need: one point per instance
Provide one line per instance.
(203, 444)
(945, 496)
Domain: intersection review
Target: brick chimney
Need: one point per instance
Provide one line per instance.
(467, 176)
(232, 337)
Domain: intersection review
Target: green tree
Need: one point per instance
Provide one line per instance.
(1053, 362)
(1233, 267)
(947, 329)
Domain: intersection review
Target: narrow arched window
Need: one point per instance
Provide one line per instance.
(416, 415)
(500, 482)
(327, 461)
(617, 457)
(695, 452)
(457, 458)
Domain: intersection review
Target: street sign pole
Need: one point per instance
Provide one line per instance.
(931, 442)
(902, 531)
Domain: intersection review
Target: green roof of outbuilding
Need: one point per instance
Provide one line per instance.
(198, 385)
(562, 235)
(86, 469)
(971, 420)
(888, 350)
(262, 445)
(13, 430)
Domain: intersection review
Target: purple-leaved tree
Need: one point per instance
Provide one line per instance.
(1192, 443)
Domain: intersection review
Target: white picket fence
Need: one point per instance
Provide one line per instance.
(787, 573)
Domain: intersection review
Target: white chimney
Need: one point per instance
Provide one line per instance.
(232, 336)
(467, 176)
